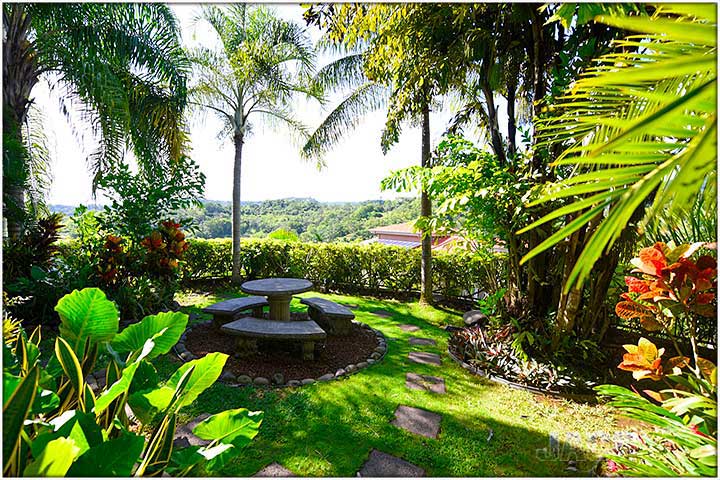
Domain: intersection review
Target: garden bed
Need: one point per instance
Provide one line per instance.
(279, 362)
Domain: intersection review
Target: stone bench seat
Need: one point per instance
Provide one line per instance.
(229, 310)
(249, 330)
(334, 318)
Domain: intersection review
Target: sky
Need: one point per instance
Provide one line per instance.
(272, 167)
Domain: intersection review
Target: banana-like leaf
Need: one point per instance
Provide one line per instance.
(112, 458)
(238, 426)
(205, 372)
(165, 328)
(122, 385)
(16, 410)
(55, 459)
(87, 314)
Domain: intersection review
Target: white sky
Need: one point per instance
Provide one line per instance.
(272, 167)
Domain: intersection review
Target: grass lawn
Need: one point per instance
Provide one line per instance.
(329, 429)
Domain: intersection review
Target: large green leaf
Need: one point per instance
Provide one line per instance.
(87, 314)
(165, 328)
(238, 426)
(74, 424)
(206, 372)
(16, 409)
(122, 385)
(55, 459)
(147, 404)
(113, 458)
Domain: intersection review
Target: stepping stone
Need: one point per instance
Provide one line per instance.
(184, 436)
(425, 358)
(381, 464)
(409, 328)
(422, 341)
(417, 421)
(274, 470)
(425, 382)
(382, 313)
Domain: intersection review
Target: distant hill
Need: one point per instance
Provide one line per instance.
(310, 219)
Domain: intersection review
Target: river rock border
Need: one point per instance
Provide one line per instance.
(243, 380)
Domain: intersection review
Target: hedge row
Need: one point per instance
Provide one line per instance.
(348, 268)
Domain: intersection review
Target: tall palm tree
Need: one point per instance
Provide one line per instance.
(122, 63)
(262, 64)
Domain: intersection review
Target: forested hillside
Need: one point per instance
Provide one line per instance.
(310, 219)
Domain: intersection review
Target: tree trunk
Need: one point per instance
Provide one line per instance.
(237, 167)
(426, 212)
(493, 125)
(20, 75)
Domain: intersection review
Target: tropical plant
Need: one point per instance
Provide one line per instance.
(638, 131)
(684, 417)
(262, 64)
(122, 63)
(141, 200)
(56, 424)
(674, 292)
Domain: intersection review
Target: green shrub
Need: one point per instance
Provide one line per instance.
(55, 424)
(347, 267)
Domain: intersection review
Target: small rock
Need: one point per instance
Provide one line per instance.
(366, 326)
(294, 383)
(572, 466)
(376, 355)
(308, 381)
(474, 317)
(92, 382)
(340, 372)
(362, 365)
(326, 377)
(261, 381)
(181, 347)
(187, 356)
(181, 442)
(100, 374)
(244, 380)
(278, 379)
(370, 361)
(227, 377)
(379, 350)
(350, 368)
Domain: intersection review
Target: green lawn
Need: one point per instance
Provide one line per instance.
(329, 429)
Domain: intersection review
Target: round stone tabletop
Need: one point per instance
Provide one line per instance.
(276, 286)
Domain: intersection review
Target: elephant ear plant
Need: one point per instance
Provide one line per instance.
(56, 425)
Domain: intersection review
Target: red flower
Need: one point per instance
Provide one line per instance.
(697, 431)
(612, 467)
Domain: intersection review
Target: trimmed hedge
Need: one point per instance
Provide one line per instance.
(347, 267)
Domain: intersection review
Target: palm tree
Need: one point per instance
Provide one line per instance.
(640, 130)
(122, 63)
(264, 61)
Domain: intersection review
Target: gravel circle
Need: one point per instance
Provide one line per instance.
(282, 359)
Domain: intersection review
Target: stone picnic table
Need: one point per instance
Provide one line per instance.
(279, 292)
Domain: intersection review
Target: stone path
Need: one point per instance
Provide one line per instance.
(274, 470)
(418, 421)
(184, 436)
(382, 313)
(428, 383)
(425, 358)
(418, 341)
(409, 328)
(381, 464)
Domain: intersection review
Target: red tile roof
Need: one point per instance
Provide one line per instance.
(406, 227)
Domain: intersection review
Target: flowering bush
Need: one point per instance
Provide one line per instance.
(671, 286)
(165, 248)
(684, 443)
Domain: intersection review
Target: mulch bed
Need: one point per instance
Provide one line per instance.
(284, 358)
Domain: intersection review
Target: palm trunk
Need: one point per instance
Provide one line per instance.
(237, 167)
(426, 212)
(20, 75)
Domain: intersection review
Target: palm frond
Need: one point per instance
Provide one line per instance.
(639, 125)
(344, 118)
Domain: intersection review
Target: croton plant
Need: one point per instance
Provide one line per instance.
(165, 247)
